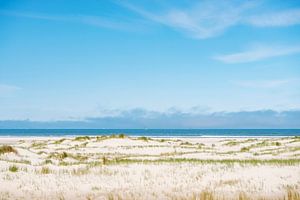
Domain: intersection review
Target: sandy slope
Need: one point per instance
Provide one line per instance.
(145, 168)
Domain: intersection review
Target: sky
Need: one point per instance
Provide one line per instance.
(158, 63)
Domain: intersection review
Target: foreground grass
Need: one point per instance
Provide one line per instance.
(7, 149)
(209, 161)
(291, 194)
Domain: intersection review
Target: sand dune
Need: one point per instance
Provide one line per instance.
(120, 167)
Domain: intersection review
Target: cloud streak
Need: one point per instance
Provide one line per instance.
(280, 18)
(258, 53)
(140, 118)
(90, 20)
(204, 20)
(207, 19)
(200, 20)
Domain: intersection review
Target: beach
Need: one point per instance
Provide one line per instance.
(123, 167)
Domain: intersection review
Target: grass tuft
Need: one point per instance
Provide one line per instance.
(7, 149)
(143, 138)
(245, 149)
(277, 144)
(59, 141)
(206, 195)
(292, 195)
(13, 168)
(104, 160)
(48, 161)
(80, 138)
(45, 170)
(279, 162)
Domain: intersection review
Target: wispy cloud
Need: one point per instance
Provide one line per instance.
(82, 19)
(8, 89)
(279, 18)
(258, 53)
(203, 20)
(206, 19)
(139, 118)
(200, 19)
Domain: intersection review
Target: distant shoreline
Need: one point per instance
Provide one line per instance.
(159, 133)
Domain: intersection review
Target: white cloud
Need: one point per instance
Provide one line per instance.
(258, 53)
(142, 118)
(280, 18)
(206, 19)
(6, 90)
(200, 20)
(203, 20)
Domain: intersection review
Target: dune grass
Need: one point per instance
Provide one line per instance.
(45, 170)
(146, 139)
(80, 138)
(209, 161)
(13, 168)
(7, 149)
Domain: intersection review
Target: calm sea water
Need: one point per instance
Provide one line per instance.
(153, 132)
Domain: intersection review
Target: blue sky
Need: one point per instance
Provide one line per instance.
(75, 60)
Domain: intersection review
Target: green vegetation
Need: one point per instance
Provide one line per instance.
(63, 155)
(80, 138)
(146, 139)
(280, 162)
(277, 144)
(100, 138)
(122, 135)
(232, 143)
(59, 156)
(7, 149)
(245, 149)
(37, 145)
(104, 160)
(59, 141)
(45, 170)
(186, 143)
(13, 168)
(48, 161)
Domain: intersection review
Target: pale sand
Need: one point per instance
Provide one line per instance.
(157, 168)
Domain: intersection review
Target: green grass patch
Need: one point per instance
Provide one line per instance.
(80, 138)
(59, 141)
(245, 149)
(13, 168)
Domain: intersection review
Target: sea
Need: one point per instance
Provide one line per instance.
(152, 132)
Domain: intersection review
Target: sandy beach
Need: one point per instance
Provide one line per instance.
(122, 167)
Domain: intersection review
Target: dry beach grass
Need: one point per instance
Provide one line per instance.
(121, 167)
